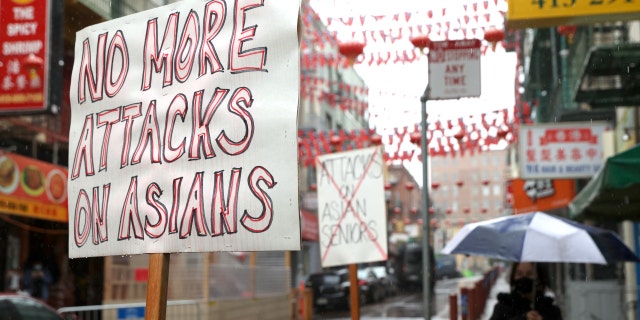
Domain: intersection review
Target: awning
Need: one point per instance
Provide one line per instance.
(613, 194)
(611, 76)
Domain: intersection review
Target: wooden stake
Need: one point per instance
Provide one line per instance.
(157, 286)
(354, 292)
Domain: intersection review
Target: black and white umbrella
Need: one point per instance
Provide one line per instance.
(539, 237)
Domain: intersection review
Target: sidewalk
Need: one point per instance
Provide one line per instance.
(501, 285)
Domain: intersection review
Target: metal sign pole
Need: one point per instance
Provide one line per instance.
(426, 263)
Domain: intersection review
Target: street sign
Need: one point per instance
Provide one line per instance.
(561, 151)
(183, 133)
(454, 69)
(351, 207)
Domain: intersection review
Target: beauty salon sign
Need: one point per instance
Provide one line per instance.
(183, 131)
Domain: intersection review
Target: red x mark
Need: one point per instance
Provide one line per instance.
(348, 206)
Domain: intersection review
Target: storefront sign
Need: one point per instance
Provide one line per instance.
(544, 13)
(561, 151)
(541, 194)
(454, 69)
(24, 55)
(32, 188)
(183, 133)
(351, 207)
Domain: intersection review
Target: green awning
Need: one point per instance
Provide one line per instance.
(613, 194)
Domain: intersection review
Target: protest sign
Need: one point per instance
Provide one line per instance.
(351, 207)
(183, 131)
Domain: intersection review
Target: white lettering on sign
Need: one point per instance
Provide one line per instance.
(23, 13)
(21, 29)
(21, 47)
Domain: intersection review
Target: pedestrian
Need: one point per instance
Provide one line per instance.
(527, 299)
(36, 280)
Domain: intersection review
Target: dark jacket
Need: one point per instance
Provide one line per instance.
(512, 306)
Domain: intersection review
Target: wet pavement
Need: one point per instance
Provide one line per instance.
(409, 305)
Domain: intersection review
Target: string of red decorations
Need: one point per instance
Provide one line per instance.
(327, 50)
(313, 143)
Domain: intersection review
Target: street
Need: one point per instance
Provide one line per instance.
(407, 303)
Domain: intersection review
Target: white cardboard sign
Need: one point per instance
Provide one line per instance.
(183, 131)
(454, 69)
(351, 207)
(561, 151)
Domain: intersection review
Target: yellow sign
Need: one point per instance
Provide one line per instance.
(33, 209)
(545, 13)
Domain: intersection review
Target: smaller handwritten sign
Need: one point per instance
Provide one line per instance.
(454, 69)
(351, 207)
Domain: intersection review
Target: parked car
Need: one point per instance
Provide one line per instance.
(371, 285)
(446, 267)
(329, 289)
(16, 306)
(389, 282)
(408, 266)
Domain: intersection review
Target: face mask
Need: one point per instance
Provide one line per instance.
(523, 285)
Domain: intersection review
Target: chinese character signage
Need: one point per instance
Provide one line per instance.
(544, 13)
(32, 188)
(183, 134)
(561, 151)
(24, 55)
(454, 69)
(351, 207)
(541, 194)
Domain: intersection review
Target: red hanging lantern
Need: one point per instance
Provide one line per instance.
(414, 211)
(435, 185)
(449, 211)
(409, 186)
(434, 223)
(335, 140)
(414, 137)
(313, 187)
(484, 210)
(466, 210)
(460, 183)
(494, 36)
(396, 210)
(568, 31)
(376, 139)
(387, 186)
(432, 210)
(486, 182)
(351, 50)
(459, 135)
(421, 41)
(407, 221)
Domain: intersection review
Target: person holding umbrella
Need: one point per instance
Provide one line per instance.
(527, 299)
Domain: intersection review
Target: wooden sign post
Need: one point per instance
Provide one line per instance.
(354, 292)
(157, 286)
